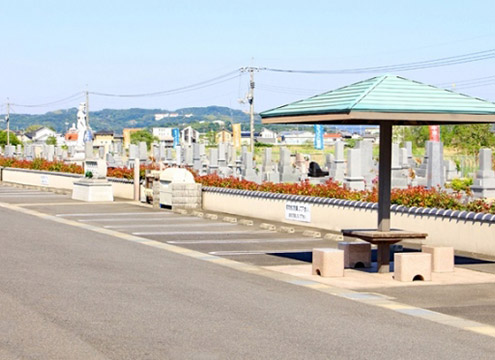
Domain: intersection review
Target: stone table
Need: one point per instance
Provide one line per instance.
(383, 240)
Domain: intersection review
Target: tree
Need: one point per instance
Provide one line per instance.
(471, 138)
(143, 135)
(13, 139)
(52, 140)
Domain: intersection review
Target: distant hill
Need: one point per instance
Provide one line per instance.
(116, 120)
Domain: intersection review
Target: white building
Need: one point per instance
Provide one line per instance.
(188, 136)
(297, 137)
(163, 133)
(40, 136)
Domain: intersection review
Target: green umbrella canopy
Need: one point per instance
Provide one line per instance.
(385, 98)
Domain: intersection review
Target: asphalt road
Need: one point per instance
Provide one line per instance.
(67, 292)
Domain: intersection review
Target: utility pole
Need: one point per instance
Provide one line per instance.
(250, 99)
(7, 120)
(251, 109)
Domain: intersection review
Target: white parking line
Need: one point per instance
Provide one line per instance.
(241, 241)
(117, 213)
(22, 192)
(147, 219)
(203, 224)
(257, 252)
(202, 232)
(29, 195)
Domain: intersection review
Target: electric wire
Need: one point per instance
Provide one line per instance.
(196, 86)
(68, 98)
(445, 61)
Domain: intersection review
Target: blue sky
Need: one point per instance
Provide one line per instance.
(53, 49)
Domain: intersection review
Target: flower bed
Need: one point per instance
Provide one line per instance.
(417, 196)
(41, 164)
(413, 196)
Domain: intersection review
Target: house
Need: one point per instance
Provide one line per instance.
(246, 137)
(297, 137)
(164, 135)
(223, 136)
(189, 136)
(267, 136)
(103, 138)
(331, 138)
(40, 135)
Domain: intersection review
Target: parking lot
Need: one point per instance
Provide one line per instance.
(251, 243)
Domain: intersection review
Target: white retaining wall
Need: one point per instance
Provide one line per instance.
(465, 231)
(121, 188)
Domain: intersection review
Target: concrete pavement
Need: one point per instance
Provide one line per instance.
(71, 288)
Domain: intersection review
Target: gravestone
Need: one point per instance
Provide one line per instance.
(50, 152)
(451, 171)
(168, 156)
(196, 157)
(398, 178)
(484, 183)
(366, 147)
(410, 160)
(213, 167)
(249, 173)
(286, 170)
(143, 151)
(354, 179)
(435, 171)
(329, 160)
(188, 155)
(88, 150)
(19, 152)
(133, 151)
(338, 169)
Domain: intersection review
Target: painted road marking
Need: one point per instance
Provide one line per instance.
(201, 232)
(162, 219)
(29, 195)
(202, 224)
(432, 316)
(257, 252)
(241, 241)
(117, 213)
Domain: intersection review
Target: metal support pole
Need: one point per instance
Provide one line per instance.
(384, 170)
(136, 180)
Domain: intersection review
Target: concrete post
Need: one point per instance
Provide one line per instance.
(136, 179)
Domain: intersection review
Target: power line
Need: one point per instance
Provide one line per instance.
(72, 97)
(200, 85)
(445, 61)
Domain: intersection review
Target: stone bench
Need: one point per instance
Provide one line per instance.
(356, 254)
(412, 266)
(442, 257)
(328, 262)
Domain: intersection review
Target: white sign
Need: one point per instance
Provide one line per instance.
(297, 212)
(44, 180)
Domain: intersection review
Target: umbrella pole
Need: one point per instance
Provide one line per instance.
(385, 164)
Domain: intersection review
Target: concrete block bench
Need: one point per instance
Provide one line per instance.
(442, 257)
(328, 262)
(412, 266)
(356, 254)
